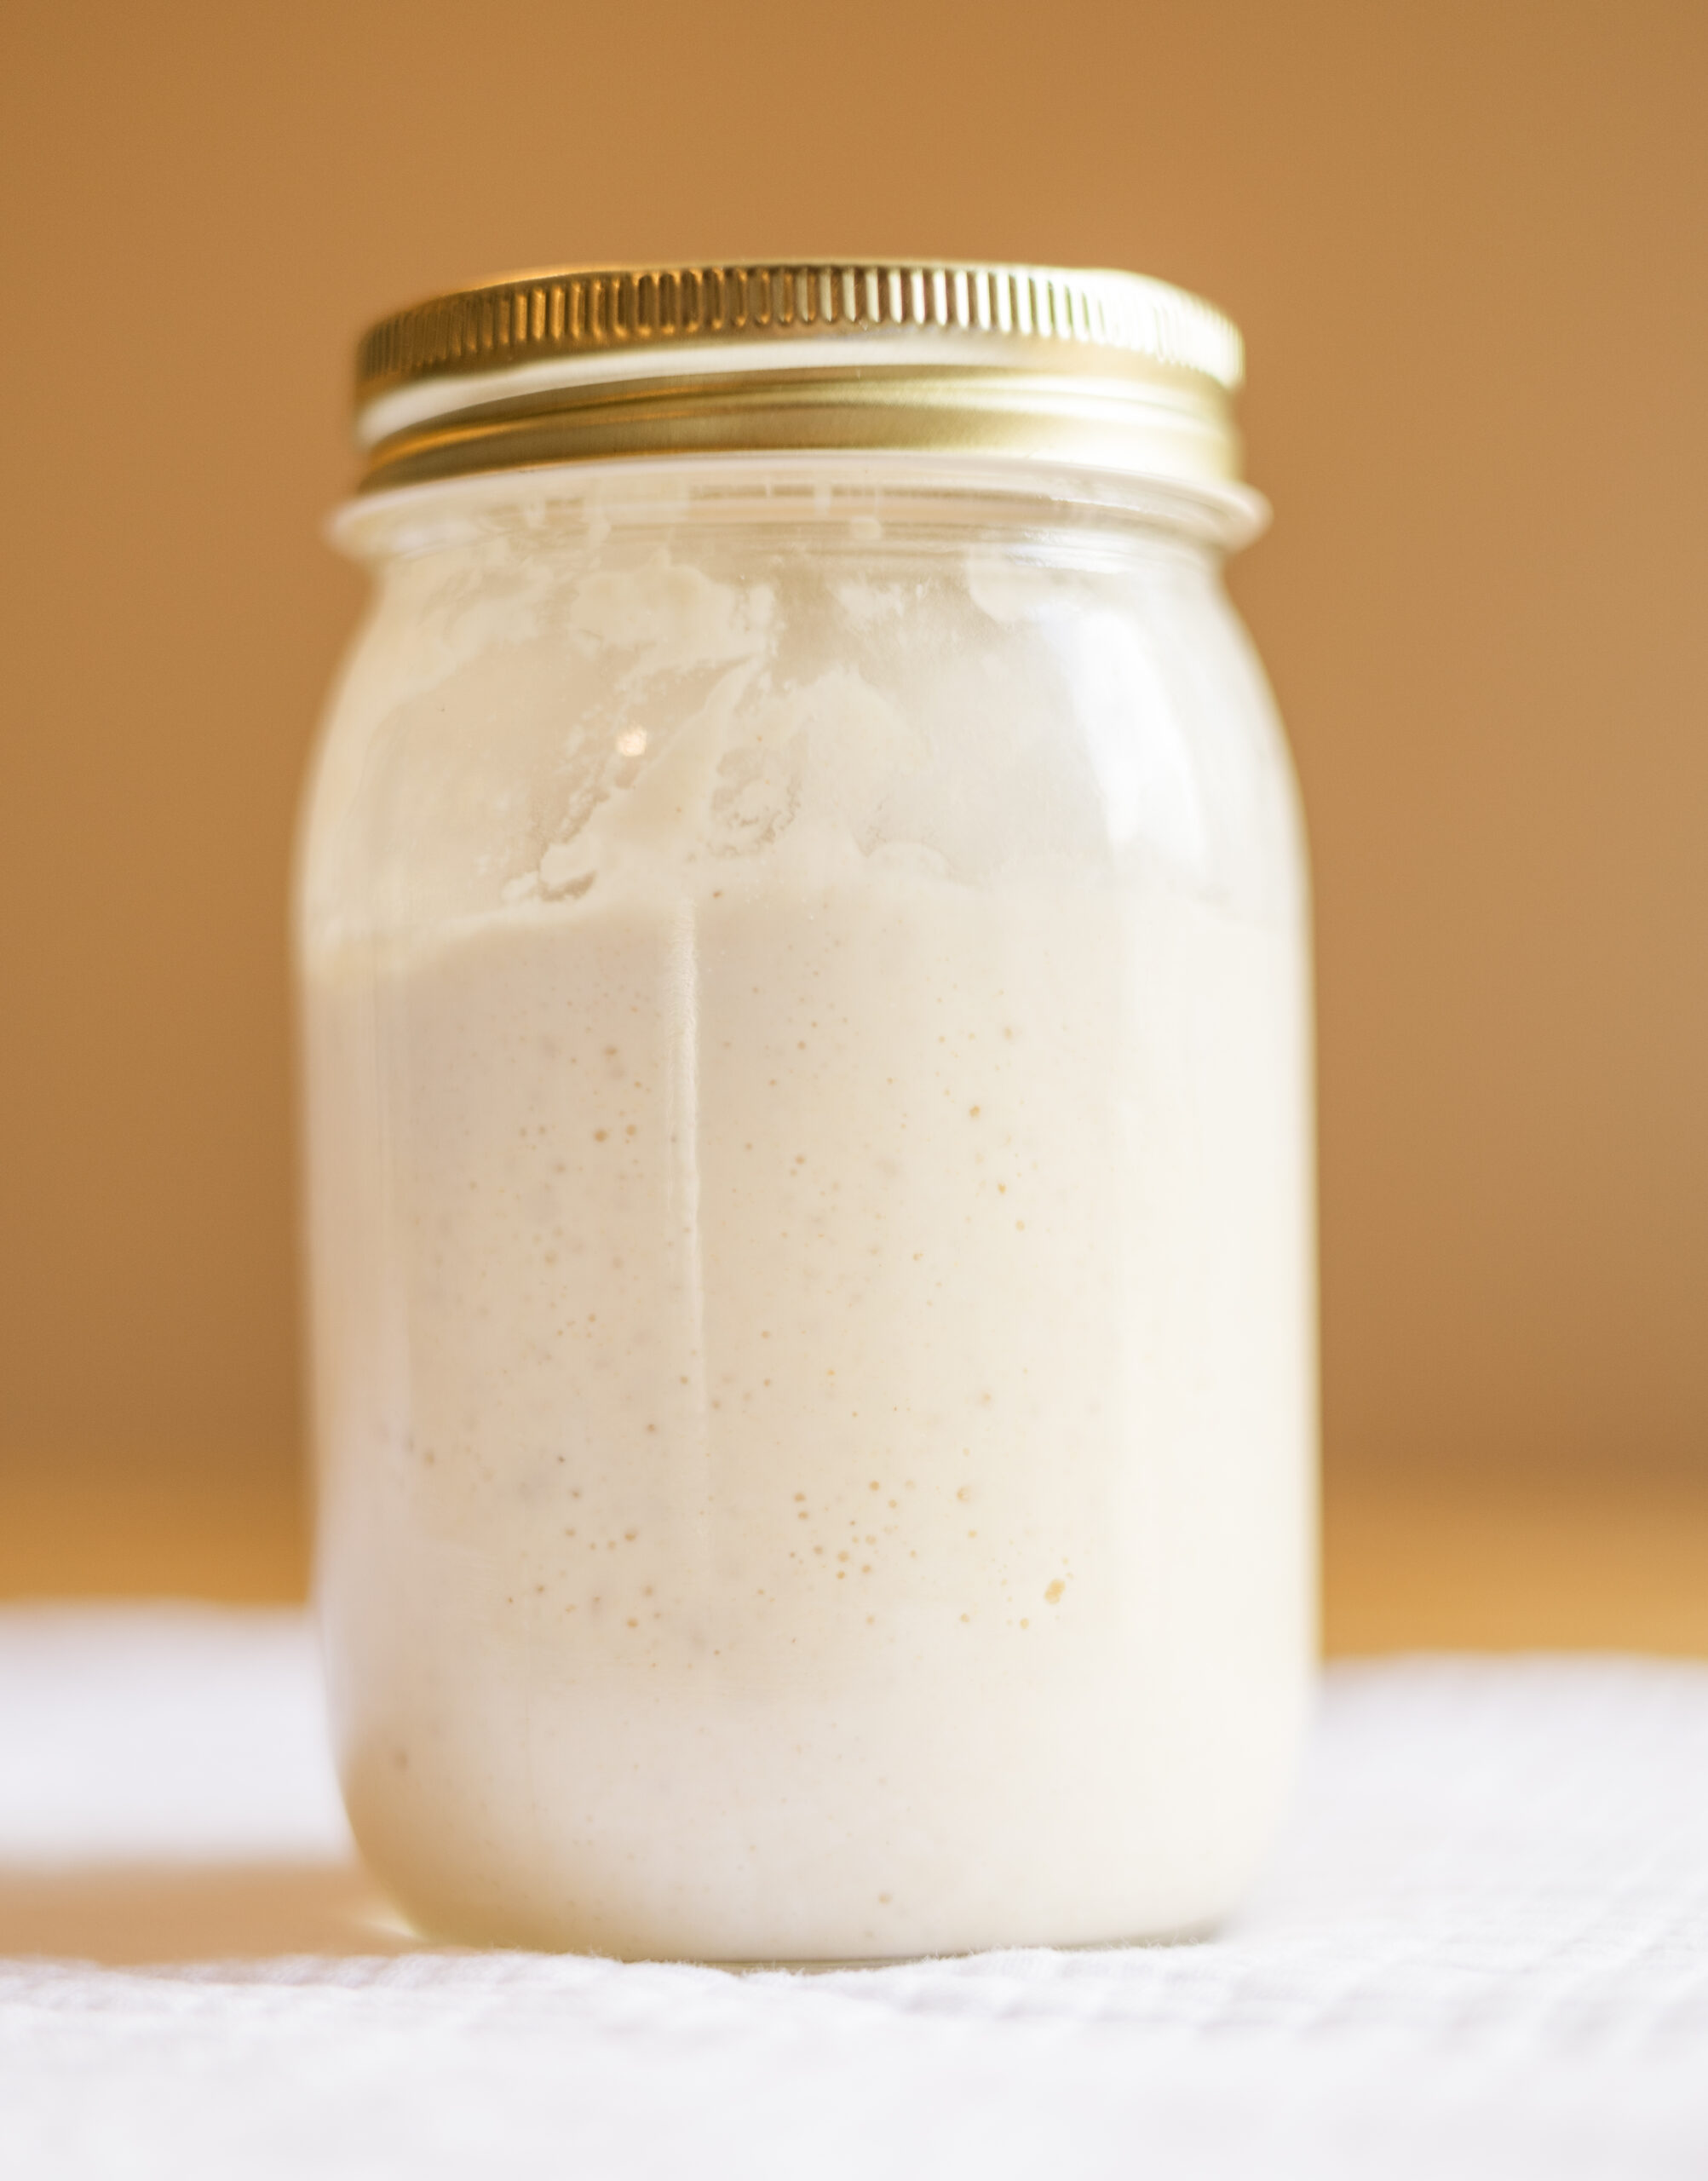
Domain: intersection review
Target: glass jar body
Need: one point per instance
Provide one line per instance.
(804, 985)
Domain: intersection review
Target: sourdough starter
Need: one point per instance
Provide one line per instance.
(813, 1324)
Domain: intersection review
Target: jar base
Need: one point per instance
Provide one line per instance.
(397, 1919)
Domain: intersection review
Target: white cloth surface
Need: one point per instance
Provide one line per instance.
(1481, 1949)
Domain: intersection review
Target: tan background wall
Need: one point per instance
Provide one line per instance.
(1466, 244)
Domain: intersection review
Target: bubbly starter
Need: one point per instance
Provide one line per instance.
(813, 1331)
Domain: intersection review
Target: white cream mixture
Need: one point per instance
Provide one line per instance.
(814, 1347)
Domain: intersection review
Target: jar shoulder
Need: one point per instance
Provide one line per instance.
(527, 717)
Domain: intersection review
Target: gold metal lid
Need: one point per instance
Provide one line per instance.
(1098, 370)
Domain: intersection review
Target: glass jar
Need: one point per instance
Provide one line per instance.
(804, 953)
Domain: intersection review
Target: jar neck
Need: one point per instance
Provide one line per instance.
(862, 498)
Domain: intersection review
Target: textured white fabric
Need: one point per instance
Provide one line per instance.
(1482, 1949)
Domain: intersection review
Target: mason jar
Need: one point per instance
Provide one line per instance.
(803, 939)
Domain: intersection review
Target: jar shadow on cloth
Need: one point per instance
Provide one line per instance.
(132, 1914)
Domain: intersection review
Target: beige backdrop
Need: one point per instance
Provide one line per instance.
(1466, 244)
